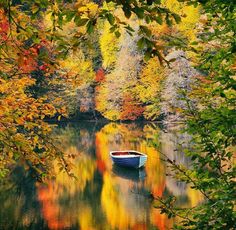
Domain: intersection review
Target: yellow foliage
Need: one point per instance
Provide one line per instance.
(150, 80)
(109, 47)
(77, 68)
(105, 103)
(90, 9)
(190, 16)
(149, 87)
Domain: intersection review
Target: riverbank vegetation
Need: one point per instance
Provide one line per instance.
(124, 60)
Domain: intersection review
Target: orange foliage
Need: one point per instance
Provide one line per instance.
(131, 109)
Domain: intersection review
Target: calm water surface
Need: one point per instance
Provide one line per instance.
(104, 196)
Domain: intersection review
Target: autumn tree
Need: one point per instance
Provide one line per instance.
(149, 87)
(131, 108)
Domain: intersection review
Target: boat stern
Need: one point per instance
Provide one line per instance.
(142, 161)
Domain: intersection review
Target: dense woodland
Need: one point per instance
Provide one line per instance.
(165, 60)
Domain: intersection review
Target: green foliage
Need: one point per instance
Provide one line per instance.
(211, 121)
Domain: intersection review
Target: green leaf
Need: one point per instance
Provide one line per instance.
(139, 12)
(70, 15)
(176, 17)
(80, 21)
(147, 19)
(145, 30)
(159, 20)
(36, 40)
(127, 11)
(141, 43)
(194, 43)
(111, 19)
(129, 28)
(118, 34)
(147, 56)
(90, 27)
(112, 29)
(168, 21)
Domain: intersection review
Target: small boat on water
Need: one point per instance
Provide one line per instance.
(128, 158)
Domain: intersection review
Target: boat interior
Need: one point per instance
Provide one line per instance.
(125, 153)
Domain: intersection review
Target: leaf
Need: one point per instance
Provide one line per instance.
(159, 20)
(176, 17)
(145, 30)
(147, 19)
(139, 12)
(70, 15)
(194, 43)
(90, 27)
(80, 21)
(36, 39)
(127, 11)
(147, 56)
(118, 34)
(141, 43)
(35, 9)
(111, 19)
(149, 2)
(128, 27)
(168, 21)
(149, 43)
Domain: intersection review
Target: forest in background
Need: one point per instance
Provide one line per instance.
(105, 73)
(123, 60)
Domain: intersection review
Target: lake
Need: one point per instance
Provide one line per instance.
(103, 196)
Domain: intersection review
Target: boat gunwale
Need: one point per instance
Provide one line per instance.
(127, 155)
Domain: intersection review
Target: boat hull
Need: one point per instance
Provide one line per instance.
(130, 161)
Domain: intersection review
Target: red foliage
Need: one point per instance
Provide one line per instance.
(27, 60)
(100, 75)
(131, 109)
(4, 26)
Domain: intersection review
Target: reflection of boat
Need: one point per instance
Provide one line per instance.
(129, 174)
(129, 158)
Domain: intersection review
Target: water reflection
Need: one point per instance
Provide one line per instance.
(129, 174)
(104, 196)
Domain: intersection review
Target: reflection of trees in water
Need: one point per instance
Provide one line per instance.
(121, 201)
(173, 144)
(19, 205)
(79, 135)
(102, 197)
(60, 197)
(125, 198)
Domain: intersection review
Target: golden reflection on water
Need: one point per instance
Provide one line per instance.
(106, 196)
(123, 200)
